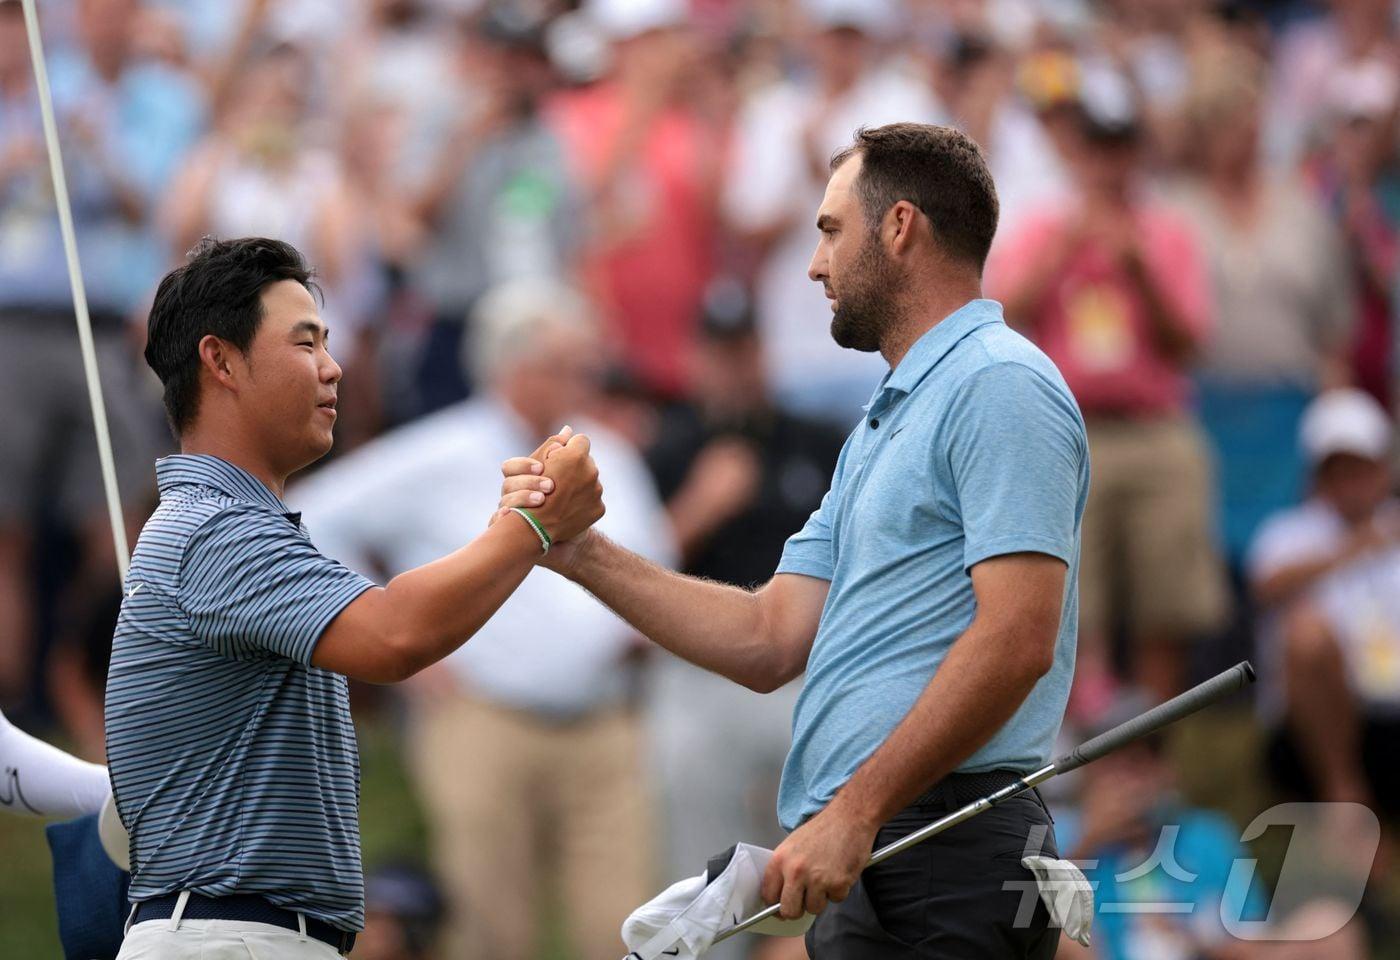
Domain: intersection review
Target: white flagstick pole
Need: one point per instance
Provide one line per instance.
(75, 279)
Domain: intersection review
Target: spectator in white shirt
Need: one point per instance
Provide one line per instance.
(526, 750)
(1327, 575)
(784, 140)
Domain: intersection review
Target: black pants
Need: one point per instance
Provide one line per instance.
(961, 895)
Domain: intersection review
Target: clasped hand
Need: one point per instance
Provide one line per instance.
(821, 860)
(559, 484)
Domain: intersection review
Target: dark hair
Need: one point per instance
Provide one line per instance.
(218, 291)
(939, 170)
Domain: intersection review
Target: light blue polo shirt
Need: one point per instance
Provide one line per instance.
(971, 448)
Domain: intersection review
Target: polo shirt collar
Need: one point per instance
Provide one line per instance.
(209, 471)
(934, 345)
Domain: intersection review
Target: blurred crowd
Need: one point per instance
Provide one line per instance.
(531, 213)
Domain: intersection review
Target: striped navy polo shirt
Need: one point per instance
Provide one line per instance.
(233, 760)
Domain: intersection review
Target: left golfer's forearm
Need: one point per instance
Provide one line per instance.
(979, 686)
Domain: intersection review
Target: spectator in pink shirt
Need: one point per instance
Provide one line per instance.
(1113, 287)
(649, 165)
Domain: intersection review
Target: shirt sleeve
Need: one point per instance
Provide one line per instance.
(252, 583)
(811, 550)
(1018, 457)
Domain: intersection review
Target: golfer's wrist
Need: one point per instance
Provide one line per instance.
(583, 558)
(861, 813)
(528, 530)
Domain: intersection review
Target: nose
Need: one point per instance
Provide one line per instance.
(330, 370)
(817, 267)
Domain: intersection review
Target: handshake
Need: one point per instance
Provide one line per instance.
(558, 484)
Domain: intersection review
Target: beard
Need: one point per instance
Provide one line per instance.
(865, 307)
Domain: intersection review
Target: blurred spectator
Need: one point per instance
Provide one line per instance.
(525, 746)
(1285, 306)
(1113, 288)
(265, 171)
(1000, 106)
(499, 203)
(648, 165)
(1309, 54)
(400, 55)
(784, 139)
(426, 151)
(404, 913)
(124, 124)
(1148, 851)
(739, 476)
(1358, 176)
(1327, 573)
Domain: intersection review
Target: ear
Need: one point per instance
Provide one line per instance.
(218, 358)
(903, 223)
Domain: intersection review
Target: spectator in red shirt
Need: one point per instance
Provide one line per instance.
(649, 166)
(1113, 287)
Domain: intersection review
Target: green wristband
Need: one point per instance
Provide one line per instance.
(545, 540)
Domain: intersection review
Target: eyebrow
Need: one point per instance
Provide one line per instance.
(825, 221)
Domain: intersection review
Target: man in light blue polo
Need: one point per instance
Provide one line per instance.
(931, 599)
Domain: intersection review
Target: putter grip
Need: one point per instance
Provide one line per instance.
(1164, 714)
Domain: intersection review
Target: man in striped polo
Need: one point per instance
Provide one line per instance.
(229, 739)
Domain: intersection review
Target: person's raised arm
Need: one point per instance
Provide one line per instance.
(388, 634)
(759, 638)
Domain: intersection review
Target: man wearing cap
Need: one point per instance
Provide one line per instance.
(1327, 575)
(931, 600)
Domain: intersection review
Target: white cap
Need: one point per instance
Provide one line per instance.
(1346, 420)
(683, 921)
(624, 19)
(875, 18)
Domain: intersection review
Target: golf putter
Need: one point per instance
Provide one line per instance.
(1163, 715)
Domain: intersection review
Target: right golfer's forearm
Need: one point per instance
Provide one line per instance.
(719, 627)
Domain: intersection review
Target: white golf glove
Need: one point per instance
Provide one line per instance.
(683, 921)
(1067, 895)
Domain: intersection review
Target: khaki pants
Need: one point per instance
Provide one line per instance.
(528, 814)
(219, 940)
(1149, 554)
